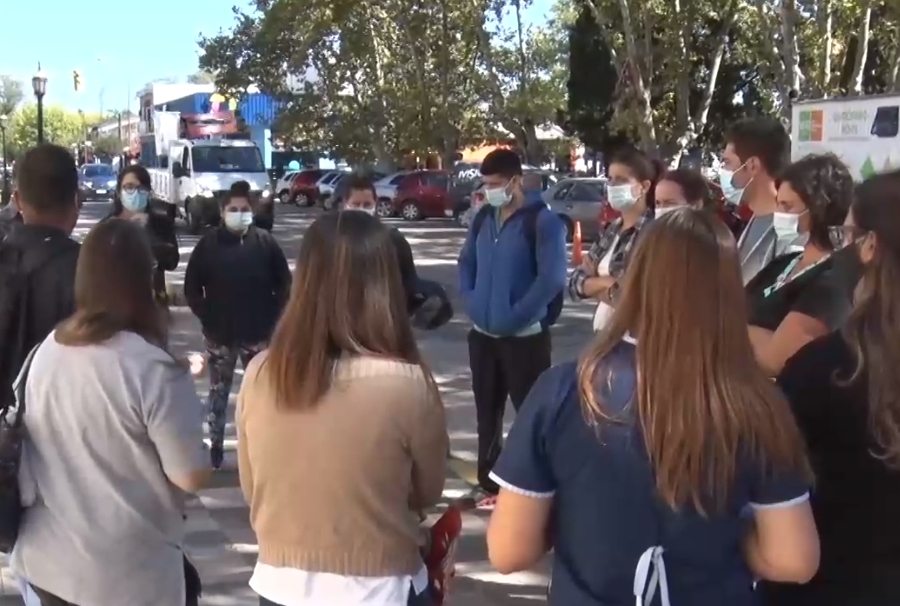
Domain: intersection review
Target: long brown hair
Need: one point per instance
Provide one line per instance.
(347, 298)
(702, 401)
(873, 328)
(114, 288)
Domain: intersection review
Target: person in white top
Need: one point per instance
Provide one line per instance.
(631, 191)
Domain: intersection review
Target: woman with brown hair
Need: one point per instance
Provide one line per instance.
(844, 389)
(645, 454)
(341, 415)
(114, 440)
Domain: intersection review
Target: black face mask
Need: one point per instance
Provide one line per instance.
(848, 267)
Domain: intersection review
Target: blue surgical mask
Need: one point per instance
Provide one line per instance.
(732, 194)
(497, 196)
(134, 200)
(621, 197)
(238, 221)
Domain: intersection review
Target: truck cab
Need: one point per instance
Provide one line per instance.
(194, 160)
(201, 172)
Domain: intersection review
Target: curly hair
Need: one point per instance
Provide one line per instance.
(825, 185)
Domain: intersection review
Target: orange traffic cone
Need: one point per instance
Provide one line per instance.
(576, 244)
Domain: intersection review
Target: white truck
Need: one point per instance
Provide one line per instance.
(192, 175)
(861, 131)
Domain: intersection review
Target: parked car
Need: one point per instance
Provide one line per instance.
(423, 194)
(326, 183)
(96, 182)
(303, 189)
(579, 199)
(283, 186)
(385, 190)
(342, 186)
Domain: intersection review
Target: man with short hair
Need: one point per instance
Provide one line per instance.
(756, 152)
(512, 272)
(361, 197)
(38, 258)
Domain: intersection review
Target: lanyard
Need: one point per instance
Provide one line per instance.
(784, 277)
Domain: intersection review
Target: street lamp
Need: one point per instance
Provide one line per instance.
(39, 85)
(4, 120)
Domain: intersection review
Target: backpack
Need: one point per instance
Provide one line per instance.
(17, 266)
(12, 432)
(529, 216)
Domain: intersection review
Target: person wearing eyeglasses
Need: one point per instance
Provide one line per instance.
(131, 201)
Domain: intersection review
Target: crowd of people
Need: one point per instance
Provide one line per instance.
(729, 435)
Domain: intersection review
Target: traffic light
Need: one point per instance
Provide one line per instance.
(76, 78)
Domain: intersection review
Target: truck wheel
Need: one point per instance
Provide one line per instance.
(192, 219)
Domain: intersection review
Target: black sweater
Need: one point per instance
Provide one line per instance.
(856, 498)
(237, 285)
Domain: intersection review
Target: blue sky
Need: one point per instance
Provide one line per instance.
(116, 56)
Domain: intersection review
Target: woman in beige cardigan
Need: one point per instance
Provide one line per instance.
(342, 436)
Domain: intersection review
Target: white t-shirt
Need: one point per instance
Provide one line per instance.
(604, 310)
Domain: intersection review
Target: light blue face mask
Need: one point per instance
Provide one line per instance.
(134, 200)
(732, 194)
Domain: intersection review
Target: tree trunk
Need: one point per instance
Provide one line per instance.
(862, 51)
(824, 20)
(634, 63)
(790, 55)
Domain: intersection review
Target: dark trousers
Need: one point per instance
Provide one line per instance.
(501, 367)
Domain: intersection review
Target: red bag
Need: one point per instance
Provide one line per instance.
(441, 558)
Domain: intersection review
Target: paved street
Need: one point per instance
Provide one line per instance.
(220, 541)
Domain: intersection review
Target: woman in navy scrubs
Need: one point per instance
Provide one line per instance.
(664, 462)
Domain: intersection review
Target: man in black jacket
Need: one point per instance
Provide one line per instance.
(38, 257)
(426, 300)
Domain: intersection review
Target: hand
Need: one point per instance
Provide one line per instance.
(196, 363)
(139, 218)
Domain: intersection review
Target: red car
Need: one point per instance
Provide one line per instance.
(303, 189)
(424, 194)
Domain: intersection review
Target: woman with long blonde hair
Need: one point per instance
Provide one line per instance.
(639, 463)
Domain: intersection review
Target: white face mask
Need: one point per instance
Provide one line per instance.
(238, 221)
(362, 209)
(621, 197)
(787, 225)
(660, 212)
(497, 196)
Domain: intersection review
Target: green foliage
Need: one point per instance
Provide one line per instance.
(109, 145)
(390, 77)
(60, 126)
(11, 95)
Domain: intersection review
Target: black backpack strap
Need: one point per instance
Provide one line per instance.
(478, 219)
(17, 409)
(530, 222)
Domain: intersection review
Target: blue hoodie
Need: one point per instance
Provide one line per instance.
(501, 293)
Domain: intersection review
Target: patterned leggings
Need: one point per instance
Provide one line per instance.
(221, 361)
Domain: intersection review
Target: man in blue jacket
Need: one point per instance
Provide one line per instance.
(512, 272)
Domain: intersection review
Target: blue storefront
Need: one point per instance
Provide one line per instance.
(257, 110)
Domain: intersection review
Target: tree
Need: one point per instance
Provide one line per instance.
(201, 77)
(11, 95)
(365, 81)
(60, 126)
(109, 145)
(524, 71)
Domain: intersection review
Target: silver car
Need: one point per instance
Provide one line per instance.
(578, 199)
(385, 190)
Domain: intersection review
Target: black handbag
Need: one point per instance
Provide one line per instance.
(192, 585)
